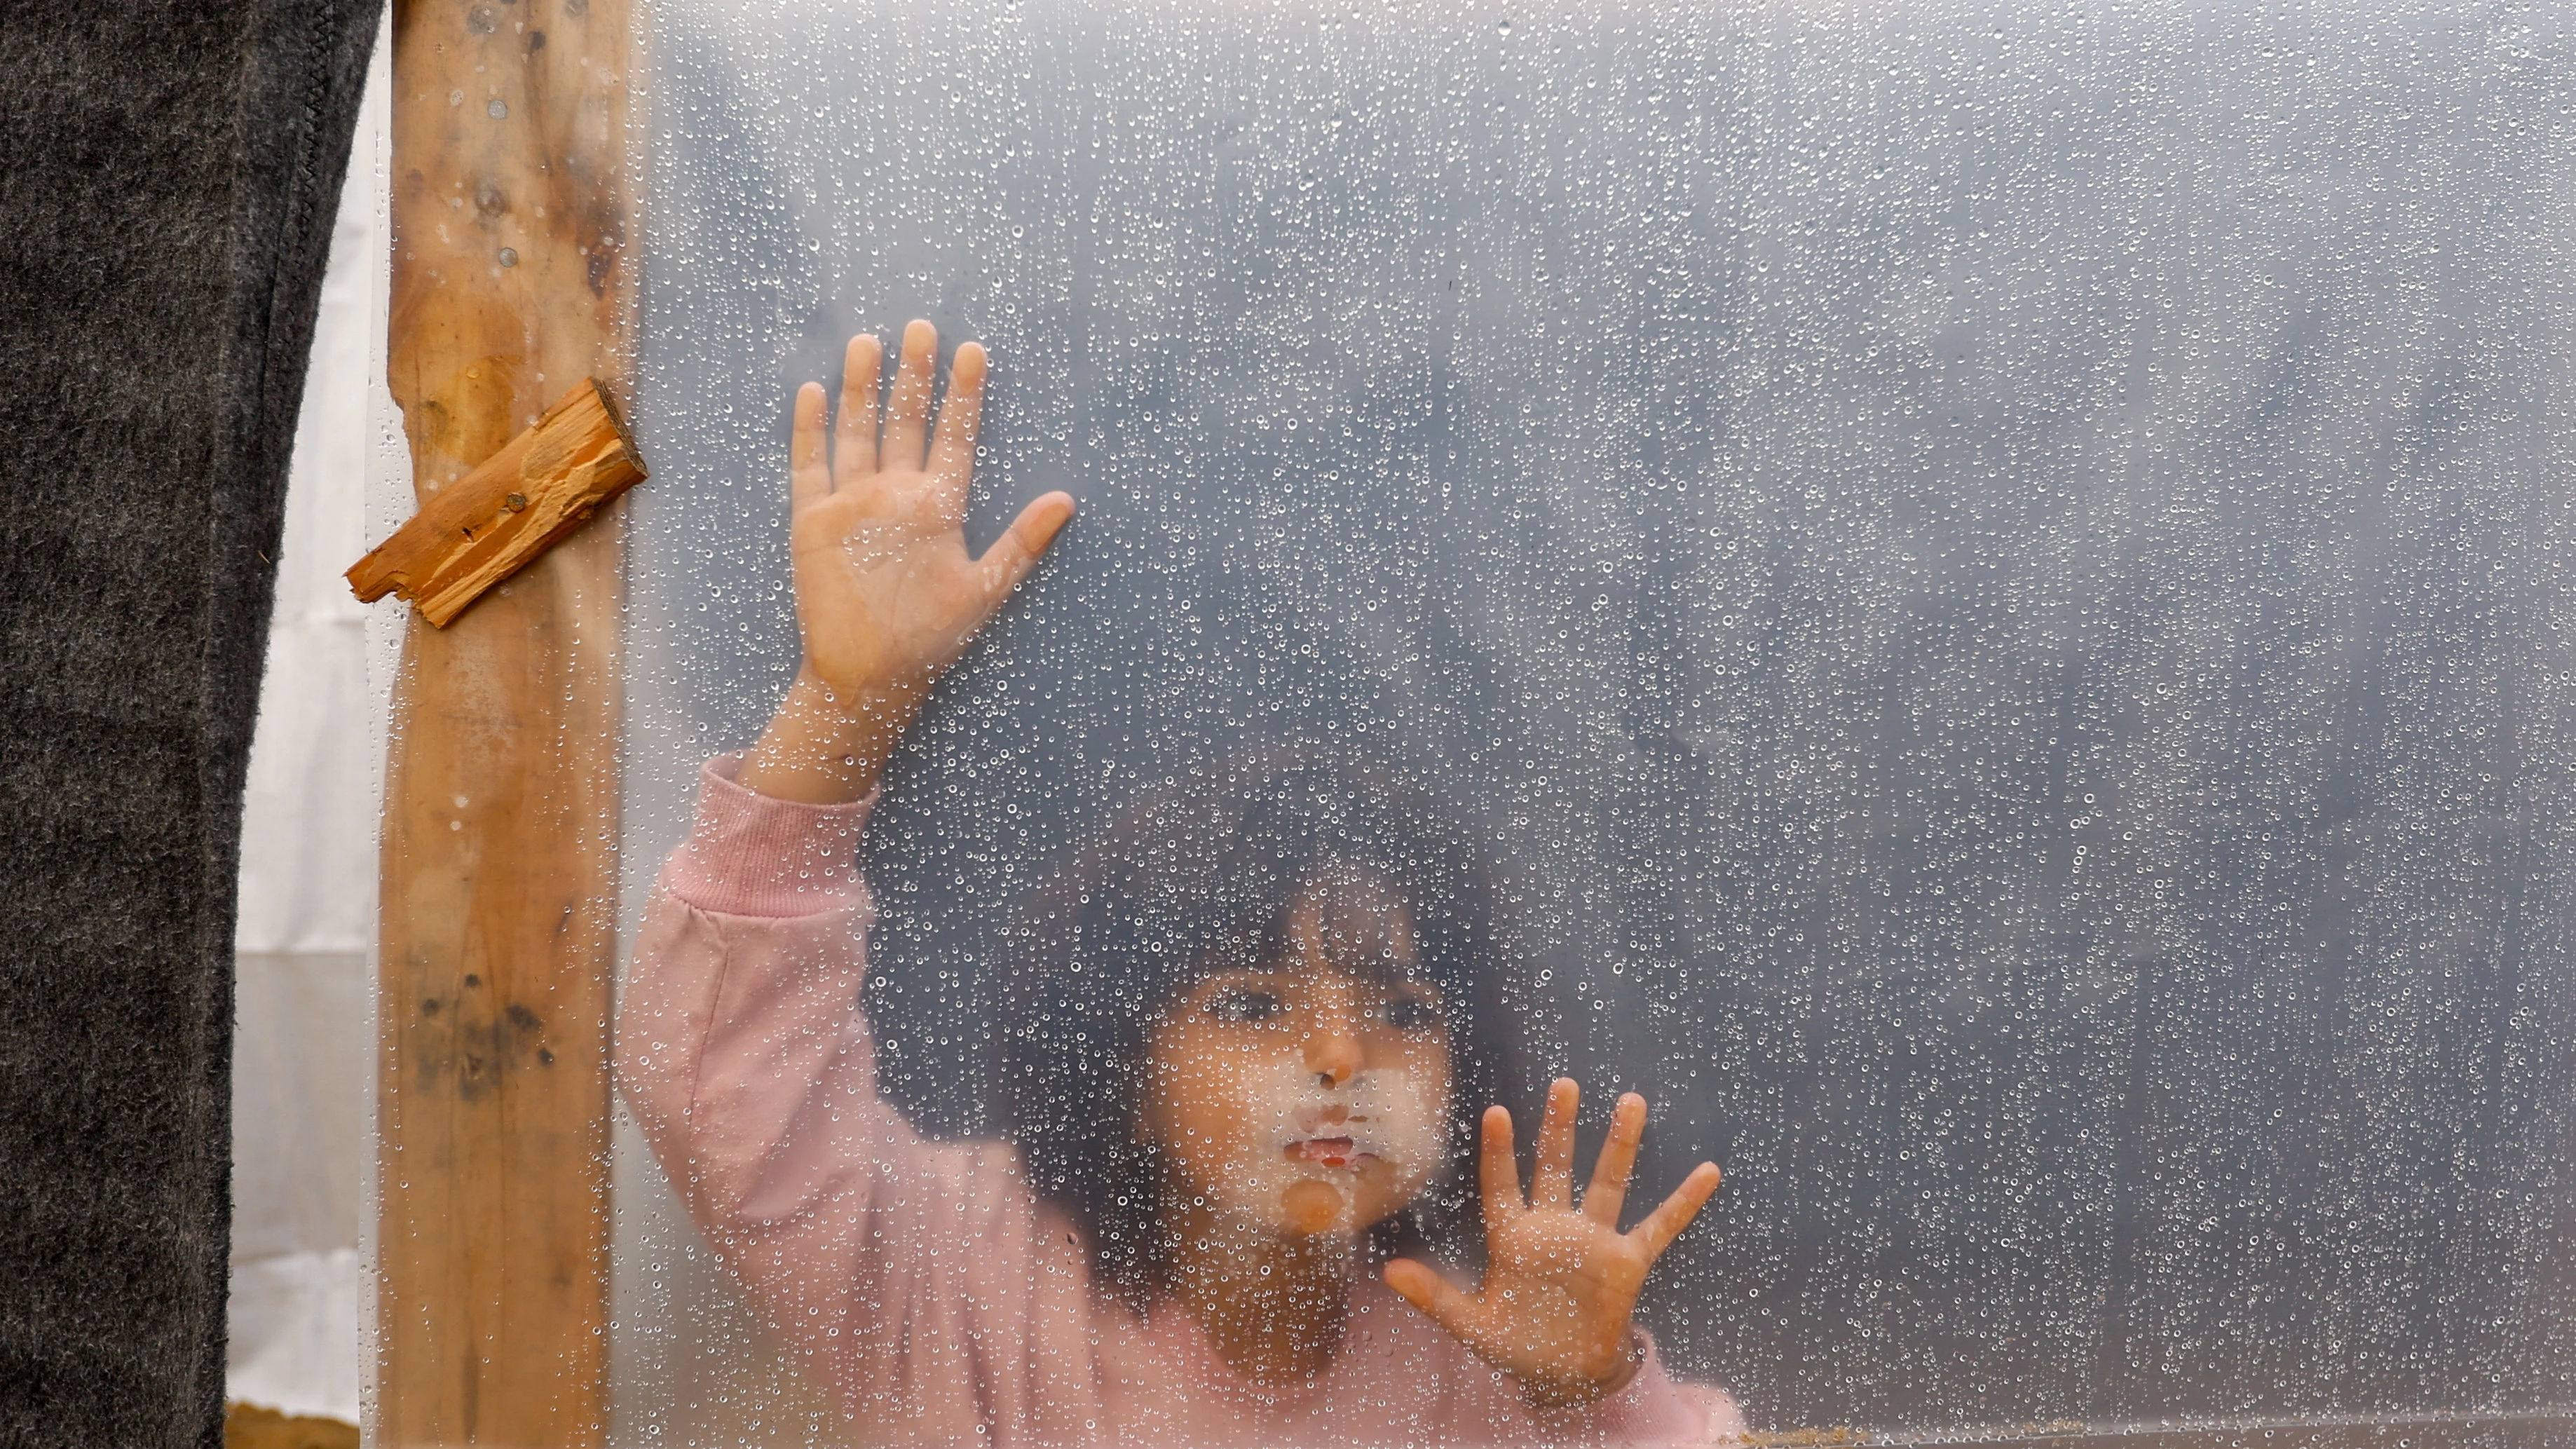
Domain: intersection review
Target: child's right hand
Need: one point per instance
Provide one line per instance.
(886, 595)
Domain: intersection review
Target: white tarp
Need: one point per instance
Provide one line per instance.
(302, 1020)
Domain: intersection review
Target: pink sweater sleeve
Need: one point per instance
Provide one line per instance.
(916, 1277)
(1653, 1408)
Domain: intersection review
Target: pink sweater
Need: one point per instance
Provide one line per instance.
(925, 1285)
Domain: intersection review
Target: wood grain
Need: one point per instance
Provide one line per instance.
(253, 1426)
(511, 232)
(515, 505)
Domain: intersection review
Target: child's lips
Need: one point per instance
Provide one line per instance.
(1326, 1151)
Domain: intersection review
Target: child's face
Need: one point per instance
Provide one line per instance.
(1310, 1094)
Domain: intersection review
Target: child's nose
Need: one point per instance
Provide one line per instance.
(1333, 1052)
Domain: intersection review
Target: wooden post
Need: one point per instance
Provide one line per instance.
(511, 284)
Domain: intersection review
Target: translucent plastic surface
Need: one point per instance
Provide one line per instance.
(1995, 580)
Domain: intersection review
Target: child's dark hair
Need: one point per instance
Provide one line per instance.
(1187, 881)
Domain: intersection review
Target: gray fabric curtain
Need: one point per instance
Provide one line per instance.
(167, 180)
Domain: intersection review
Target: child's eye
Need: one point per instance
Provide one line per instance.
(1244, 1004)
(1407, 1013)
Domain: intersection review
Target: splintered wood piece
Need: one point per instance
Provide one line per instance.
(518, 503)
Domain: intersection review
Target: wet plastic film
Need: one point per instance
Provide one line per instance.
(1992, 583)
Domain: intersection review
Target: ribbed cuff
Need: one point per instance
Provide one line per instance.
(752, 855)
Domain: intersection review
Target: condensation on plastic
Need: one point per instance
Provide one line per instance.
(1998, 574)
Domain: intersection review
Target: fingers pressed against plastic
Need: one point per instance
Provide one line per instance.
(1610, 1173)
(907, 423)
(1017, 551)
(854, 433)
(1496, 1170)
(1552, 1180)
(952, 457)
(1428, 1291)
(808, 477)
(1674, 1213)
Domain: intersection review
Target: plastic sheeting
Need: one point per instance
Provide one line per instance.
(303, 1005)
(1999, 574)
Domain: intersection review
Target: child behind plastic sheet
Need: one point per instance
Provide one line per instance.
(1242, 1040)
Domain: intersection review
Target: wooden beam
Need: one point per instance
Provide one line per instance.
(510, 284)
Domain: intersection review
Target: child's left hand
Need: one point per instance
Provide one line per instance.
(1559, 1281)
